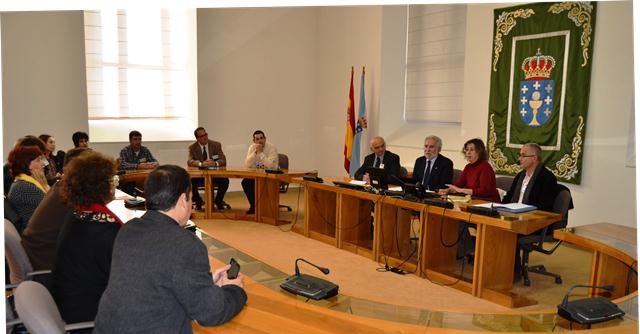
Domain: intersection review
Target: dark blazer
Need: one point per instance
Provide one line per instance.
(214, 149)
(160, 281)
(541, 190)
(391, 163)
(441, 172)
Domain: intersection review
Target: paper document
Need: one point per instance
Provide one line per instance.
(511, 207)
(395, 188)
(357, 182)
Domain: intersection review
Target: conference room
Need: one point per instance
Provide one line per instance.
(286, 71)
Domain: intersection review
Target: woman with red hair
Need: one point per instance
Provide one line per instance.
(26, 164)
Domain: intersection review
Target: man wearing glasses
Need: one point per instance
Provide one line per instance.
(205, 152)
(535, 184)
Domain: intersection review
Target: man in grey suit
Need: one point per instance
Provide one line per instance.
(160, 279)
(207, 153)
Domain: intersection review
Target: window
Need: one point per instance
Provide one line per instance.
(435, 63)
(141, 73)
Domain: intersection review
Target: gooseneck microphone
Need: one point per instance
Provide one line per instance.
(565, 300)
(323, 269)
(309, 286)
(589, 311)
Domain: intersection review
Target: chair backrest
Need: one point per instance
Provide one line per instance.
(11, 214)
(456, 175)
(504, 182)
(562, 204)
(283, 161)
(19, 263)
(37, 310)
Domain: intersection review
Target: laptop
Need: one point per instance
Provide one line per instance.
(378, 178)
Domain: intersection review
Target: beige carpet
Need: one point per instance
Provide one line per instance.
(358, 276)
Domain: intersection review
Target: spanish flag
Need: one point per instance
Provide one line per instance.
(350, 127)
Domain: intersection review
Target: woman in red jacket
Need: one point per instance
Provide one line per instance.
(477, 178)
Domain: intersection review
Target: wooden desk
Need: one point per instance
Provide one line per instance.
(342, 217)
(615, 255)
(267, 191)
(494, 256)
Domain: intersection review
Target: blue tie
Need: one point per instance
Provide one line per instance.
(427, 173)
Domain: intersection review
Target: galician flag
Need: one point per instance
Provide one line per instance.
(361, 124)
(350, 127)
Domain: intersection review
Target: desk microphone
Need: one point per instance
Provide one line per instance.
(297, 270)
(309, 286)
(589, 311)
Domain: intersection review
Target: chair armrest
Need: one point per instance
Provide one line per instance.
(79, 325)
(38, 272)
(13, 322)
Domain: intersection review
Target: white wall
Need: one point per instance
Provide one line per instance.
(286, 71)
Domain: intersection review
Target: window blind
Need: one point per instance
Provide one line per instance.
(435, 63)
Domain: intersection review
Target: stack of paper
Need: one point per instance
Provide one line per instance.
(511, 207)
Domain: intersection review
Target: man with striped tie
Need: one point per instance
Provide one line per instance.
(433, 170)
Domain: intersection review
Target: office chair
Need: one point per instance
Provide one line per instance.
(19, 263)
(535, 241)
(283, 163)
(503, 183)
(39, 312)
(456, 175)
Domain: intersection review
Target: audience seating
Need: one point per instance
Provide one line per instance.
(39, 312)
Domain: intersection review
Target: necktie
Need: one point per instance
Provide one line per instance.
(205, 156)
(377, 164)
(427, 173)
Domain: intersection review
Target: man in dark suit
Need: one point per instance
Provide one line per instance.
(205, 152)
(433, 170)
(534, 185)
(160, 279)
(380, 158)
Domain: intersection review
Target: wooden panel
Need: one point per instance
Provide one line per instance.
(320, 211)
(356, 223)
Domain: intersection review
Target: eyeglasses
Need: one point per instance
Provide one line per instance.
(114, 179)
(202, 135)
(526, 155)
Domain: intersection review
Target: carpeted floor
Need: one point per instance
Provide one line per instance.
(360, 277)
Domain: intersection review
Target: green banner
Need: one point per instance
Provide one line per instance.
(540, 80)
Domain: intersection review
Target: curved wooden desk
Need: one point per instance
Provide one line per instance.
(615, 255)
(271, 310)
(267, 190)
(345, 218)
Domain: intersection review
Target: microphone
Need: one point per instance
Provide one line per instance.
(589, 311)
(322, 269)
(137, 192)
(565, 300)
(395, 178)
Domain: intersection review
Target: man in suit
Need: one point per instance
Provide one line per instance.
(160, 279)
(205, 152)
(380, 158)
(433, 170)
(534, 185)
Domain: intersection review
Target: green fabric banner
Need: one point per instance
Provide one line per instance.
(540, 80)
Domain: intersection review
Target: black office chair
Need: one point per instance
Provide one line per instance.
(283, 163)
(456, 175)
(535, 241)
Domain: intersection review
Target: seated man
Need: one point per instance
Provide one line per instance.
(135, 156)
(380, 158)
(534, 185)
(433, 170)
(160, 279)
(261, 154)
(205, 152)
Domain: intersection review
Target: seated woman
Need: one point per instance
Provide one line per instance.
(477, 178)
(479, 181)
(86, 241)
(26, 163)
(52, 170)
